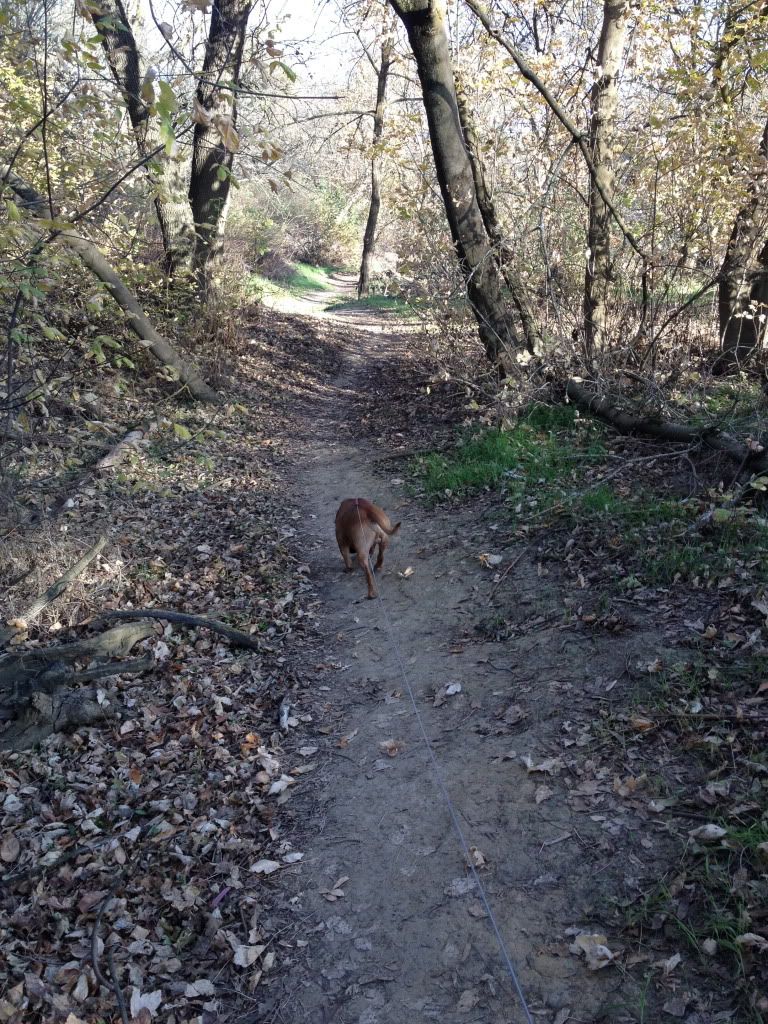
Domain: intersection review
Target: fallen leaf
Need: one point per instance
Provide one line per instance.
(670, 964)
(245, 956)
(641, 724)
(749, 940)
(10, 848)
(594, 949)
(201, 987)
(549, 766)
(708, 833)
(264, 867)
(89, 900)
(145, 1001)
(391, 747)
(467, 1001)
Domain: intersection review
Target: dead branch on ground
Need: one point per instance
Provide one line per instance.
(30, 614)
(237, 637)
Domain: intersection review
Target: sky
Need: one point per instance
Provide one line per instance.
(325, 57)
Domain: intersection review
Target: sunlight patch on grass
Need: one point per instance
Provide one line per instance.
(378, 303)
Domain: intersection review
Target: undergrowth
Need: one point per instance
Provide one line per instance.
(555, 468)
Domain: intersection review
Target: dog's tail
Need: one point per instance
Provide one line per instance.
(378, 516)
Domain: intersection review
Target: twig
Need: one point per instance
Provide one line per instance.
(237, 637)
(33, 611)
(504, 575)
(117, 989)
(95, 939)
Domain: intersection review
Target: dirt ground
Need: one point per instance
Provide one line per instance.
(393, 927)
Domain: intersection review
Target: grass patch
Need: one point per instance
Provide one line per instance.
(538, 455)
(547, 467)
(302, 278)
(306, 278)
(379, 303)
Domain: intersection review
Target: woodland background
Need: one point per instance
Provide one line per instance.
(567, 202)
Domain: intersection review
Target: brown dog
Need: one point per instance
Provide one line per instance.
(361, 526)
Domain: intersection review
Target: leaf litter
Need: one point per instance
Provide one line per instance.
(152, 839)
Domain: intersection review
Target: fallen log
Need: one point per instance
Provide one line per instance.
(22, 621)
(607, 409)
(117, 453)
(237, 637)
(36, 695)
(115, 643)
(97, 263)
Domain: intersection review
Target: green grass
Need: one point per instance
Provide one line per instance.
(539, 455)
(381, 303)
(545, 467)
(306, 278)
(303, 278)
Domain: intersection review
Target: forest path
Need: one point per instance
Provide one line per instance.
(408, 940)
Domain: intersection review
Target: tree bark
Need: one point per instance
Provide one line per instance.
(501, 251)
(604, 99)
(742, 300)
(211, 159)
(171, 203)
(424, 21)
(96, 262)
(369, 238)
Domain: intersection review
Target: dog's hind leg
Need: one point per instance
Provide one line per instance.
(345, 554)
(365, 565)
(382, 542)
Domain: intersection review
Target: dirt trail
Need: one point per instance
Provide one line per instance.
(409, 941)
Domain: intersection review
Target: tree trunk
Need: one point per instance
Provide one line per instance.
(95, 261)
(369, 238)
(742, 300)
(424, 21)
(211, 159)
(604, 99)
(171, 203)
(502, 253)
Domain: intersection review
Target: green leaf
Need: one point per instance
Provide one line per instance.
(722, 515)
(181, 432)
(167, 135)
(167, 102)
(106, 339)
(97, 352)
(289, 73)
